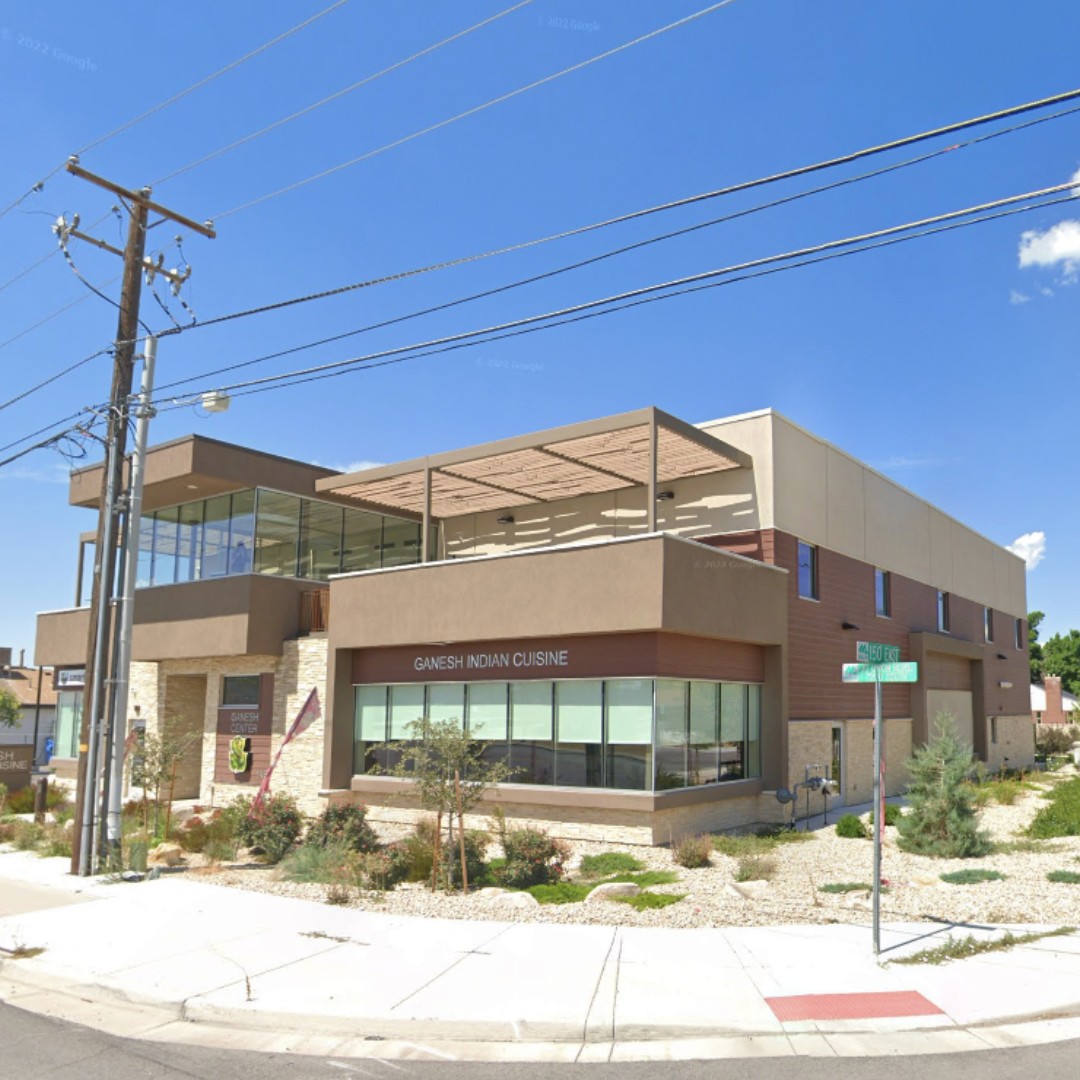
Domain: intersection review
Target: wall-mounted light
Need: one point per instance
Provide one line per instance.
(1005, 684)
(845, 625)
(1002, 656)
(663, 496)
(506, 519)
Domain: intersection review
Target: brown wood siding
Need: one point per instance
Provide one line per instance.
(600, 656)
(947, 672)
(759, 544)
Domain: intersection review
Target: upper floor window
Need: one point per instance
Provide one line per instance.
(883, 593)
(1019, 632)
(808, 571)
(943, 611)
(988, 624)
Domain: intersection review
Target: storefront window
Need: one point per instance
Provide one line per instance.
(579, 723)
(531, 747)
(581, 732)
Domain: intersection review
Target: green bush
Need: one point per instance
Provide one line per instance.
(476, 845)
(314, 864)
(693, 852)
(758, 843)
(1062, 816)
(344, 825)
(22, 801)
(532, 858)
(646, 878)
(562, 892)
(610, 862)
(974, 876)
(56, 842)
(27, 835)
(1003, 792)
(382, 870)
(271, 830)
(3, 796)
(893, 814)
(851, 827)
(941, 820)
(644, 901)
(1064, 877)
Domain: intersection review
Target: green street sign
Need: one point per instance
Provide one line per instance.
(874, 652)
(888, 673)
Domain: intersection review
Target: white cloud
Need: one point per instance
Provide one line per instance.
(1018, 297)
(357, 466)
(1058, 247)
(1031, 547)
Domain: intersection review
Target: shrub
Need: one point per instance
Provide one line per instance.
(532, 858)
(845, 887)
(56, 841)
(220, 850)
(647, 878)
(3, 796)
(755, 868)
(1064, 877)
(972, 876)
(644, 901)
(1062, 816)
(27, 835)
(382, 870)
(942, 820)
(758, 843)
(271, 830)
(1003, 792)
(7, 831)
(893, 814)
(610, 862)
(22, 801)
(476, 845)
(692, 852)
(310, 863)
(851, 827)
(563, 892)
(1052, 739)
(344, 825)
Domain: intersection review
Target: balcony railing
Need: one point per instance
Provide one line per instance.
(314, 611)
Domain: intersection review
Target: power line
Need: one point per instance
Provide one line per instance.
(128, 124)
(731, 189)
(45, 258)
(338, 94)
(47, 427)
(361, 364)
(55, 314)
(53, 378)
(676, 283)
(473, 111)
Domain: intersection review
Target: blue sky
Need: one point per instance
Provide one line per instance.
(946, 363)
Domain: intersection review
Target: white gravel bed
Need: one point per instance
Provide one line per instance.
(792, 895)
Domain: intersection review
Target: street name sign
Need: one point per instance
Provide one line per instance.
(886, 673)
(874, 652)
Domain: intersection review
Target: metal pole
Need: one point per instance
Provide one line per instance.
(92, 724)
(37, 718)
(879, 822)
(118, 729)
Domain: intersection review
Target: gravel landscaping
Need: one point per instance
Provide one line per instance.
(713, 897)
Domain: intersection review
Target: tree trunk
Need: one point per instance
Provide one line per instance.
(461, 833)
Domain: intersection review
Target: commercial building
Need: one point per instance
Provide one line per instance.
(646, 618)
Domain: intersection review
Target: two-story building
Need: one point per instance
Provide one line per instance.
(646, 618)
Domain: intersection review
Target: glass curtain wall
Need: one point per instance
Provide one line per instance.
(268, 532)
(629, 734)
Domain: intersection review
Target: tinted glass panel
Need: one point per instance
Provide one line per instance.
(579, 723)
(703, 766)
(240, 690)
(362, 548)
(164, 570)
(277, 530)
(320, 540)
(671, 734)
(189, 541)
(215, 538)
(400, 542)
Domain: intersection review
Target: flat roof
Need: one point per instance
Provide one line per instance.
(586, 458)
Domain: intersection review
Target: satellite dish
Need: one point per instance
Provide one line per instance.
(784, 796)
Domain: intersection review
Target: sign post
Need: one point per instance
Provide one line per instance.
(879, 664)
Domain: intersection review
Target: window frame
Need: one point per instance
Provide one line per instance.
(883, 610)
(815, 584)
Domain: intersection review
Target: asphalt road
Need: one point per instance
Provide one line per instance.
(33, 1046)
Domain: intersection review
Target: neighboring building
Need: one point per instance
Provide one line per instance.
(1050, 704)
(37, 698)
(646, 618)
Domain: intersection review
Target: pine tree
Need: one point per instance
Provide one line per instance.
(942, 820)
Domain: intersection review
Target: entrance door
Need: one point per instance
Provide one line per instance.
(183, 722)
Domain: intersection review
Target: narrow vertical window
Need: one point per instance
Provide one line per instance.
(943, 611)
(1019, 633)
(883, 593)
(808, 571)
(988, 624)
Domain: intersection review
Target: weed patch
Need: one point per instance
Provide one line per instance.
(755, 868)
(610, 862)
(646, 900)
(562, 892)
(1064, 877)
(971, 946)
(845, 887)
(974, 876)
(1062, 816)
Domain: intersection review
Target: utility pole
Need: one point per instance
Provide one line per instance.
(94, 736)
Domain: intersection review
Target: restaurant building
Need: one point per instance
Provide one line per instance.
(645, 618)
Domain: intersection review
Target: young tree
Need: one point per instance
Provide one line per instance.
(1061, 656)
(10, 709)
(1035, 650)
(942, 819)
(450, 774)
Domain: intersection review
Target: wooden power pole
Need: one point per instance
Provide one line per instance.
(98, 660)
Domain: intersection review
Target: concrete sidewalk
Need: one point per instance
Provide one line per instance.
(179, 960)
